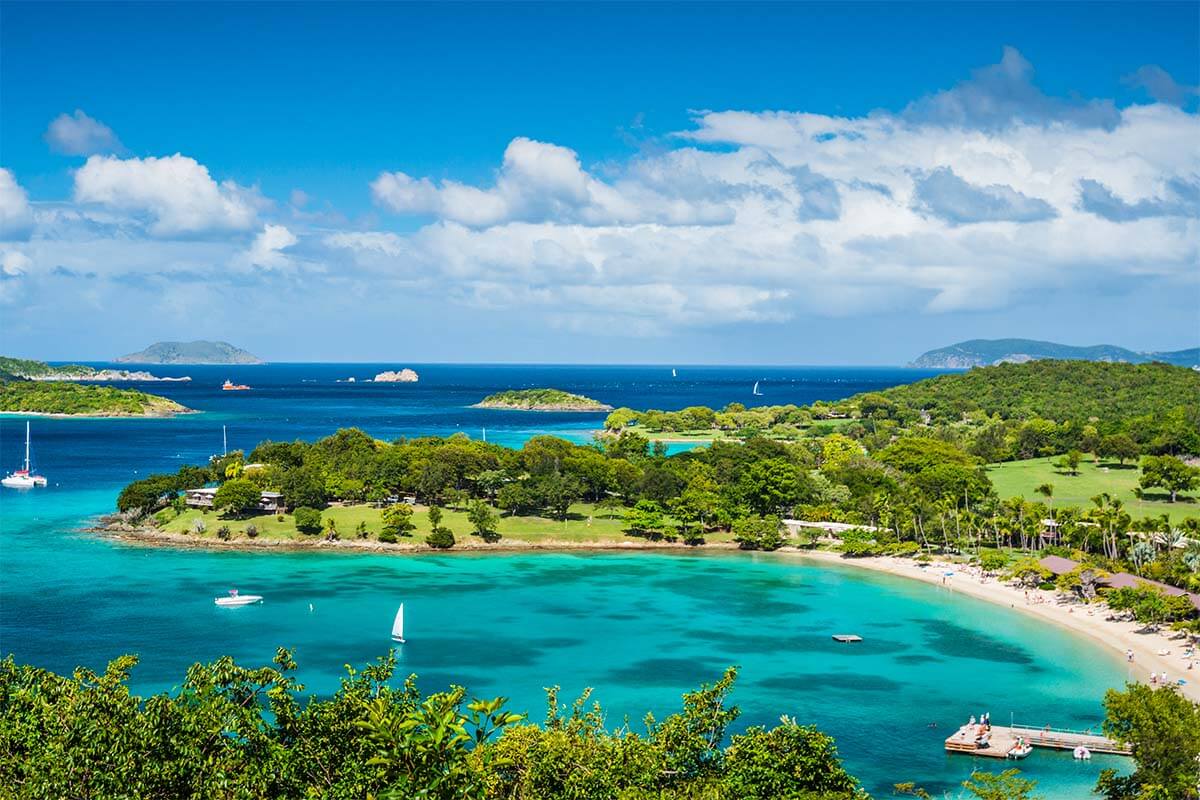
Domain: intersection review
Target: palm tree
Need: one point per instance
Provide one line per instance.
(1142, 553)
(1046, 490)
(1191, 559)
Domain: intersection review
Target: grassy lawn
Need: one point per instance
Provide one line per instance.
(583, 524)
(1022, 477)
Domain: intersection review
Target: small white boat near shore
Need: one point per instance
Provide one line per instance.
(234, 599)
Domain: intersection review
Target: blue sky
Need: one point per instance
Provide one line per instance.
(598, 183)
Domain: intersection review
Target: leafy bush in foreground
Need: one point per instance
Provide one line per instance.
(236, 732)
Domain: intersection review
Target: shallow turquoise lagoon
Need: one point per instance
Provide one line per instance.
(640, 628)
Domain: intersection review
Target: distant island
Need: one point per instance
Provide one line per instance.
(198, 352)
(541, 400)
(985, 352)
(41, 371)
(82, 400)
(399, 376)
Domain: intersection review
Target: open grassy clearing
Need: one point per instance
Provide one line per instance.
(1015, 478)
(584, 524)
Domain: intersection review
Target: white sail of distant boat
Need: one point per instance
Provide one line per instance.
(673, 375)
(756, 392)
(398, 626)
(225, 441)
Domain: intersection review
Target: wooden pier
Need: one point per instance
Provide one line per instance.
(1004, 740)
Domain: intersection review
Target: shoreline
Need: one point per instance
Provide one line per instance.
(546, 409)
(414, 546)
(1044, 605)
(60, 415)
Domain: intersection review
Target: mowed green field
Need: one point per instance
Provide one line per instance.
(584, 524)
(1015, 478)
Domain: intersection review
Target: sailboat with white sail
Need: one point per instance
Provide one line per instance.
(24, 478)
(755, 391)
(398, 626)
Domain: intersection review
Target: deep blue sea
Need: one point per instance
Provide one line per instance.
(639, 628)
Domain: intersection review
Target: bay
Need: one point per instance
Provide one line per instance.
(638, 628)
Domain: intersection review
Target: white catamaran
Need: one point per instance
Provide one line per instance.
(24, 478)
(398, 626)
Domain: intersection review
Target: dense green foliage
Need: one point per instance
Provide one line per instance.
(308, 520)
(1057, 390)
(238, 496)
(541, 399)
(919, 492)
(82, 399)
(27, 368)
(1164, 729)
(231, 732)
(1168, 473)
(1010, 411)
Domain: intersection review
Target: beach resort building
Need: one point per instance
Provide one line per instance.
(269, 502)
(1118, 580)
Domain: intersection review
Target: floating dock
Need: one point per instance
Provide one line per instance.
(846, 638)
(1003, 740)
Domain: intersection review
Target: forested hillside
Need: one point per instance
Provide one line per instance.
(1058, 390)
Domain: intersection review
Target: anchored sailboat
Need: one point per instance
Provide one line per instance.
(398, 626)
(24, 478)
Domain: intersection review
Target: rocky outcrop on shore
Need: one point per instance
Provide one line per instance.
(108, 376)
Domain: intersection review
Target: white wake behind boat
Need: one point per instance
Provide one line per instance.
(24, 478)
(398, 626)
(234, 599)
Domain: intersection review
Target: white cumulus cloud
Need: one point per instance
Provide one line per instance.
(14, 263)
(16, 216)
(266, 250)
(80, 135)
(175, 193)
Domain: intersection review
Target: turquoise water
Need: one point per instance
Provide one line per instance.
(640, 628)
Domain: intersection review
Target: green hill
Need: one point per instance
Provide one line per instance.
(1058, 390)
(983, 352)
(541, 400)
(85, 400)
(198, 352)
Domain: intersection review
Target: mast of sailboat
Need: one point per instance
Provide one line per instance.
(27, 445)
(224, 442)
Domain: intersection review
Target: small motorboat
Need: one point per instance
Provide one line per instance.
(1081, 753)
(234, 599)
(1020, 749)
